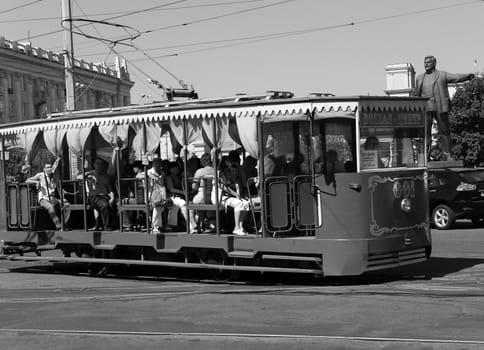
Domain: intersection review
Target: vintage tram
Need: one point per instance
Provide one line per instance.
(341, 184)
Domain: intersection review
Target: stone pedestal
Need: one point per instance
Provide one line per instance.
(400, 79)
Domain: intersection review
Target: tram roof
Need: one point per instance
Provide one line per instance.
(240, 106)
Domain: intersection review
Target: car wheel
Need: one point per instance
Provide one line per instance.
(443, 217)
(479, 222)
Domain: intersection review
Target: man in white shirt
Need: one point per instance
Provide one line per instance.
(46, 187)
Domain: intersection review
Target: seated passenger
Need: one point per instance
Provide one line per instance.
(46, 186)
(193, 164)
(201, 186)
(173, 183)
(198, 185)
(101, 194)
(249, 168)
(230, 195)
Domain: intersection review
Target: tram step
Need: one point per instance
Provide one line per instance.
(104, 246)
(292, 257)
(169, 251)
(245, 254)
(46, 247)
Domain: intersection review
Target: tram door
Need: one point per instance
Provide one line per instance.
(290, 201)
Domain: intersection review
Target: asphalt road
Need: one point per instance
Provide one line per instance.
(433, 305)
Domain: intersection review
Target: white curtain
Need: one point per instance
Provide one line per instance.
(53, 140)
(194, 130)
(115, 135)
(76, 139)
(247, 127)
(150, 143)
(221, 131)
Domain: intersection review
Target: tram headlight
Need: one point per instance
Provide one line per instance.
(406, 205)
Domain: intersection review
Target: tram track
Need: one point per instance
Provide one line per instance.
(240, 336)
(179, 292)
(369, 286)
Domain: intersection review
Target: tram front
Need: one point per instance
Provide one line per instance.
(359, 188)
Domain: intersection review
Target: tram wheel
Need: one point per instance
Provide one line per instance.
(95, 269)
(443, 217)
(214, 258)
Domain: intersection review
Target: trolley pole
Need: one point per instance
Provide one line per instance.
(68, 56)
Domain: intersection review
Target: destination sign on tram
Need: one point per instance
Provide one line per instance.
(393, 118)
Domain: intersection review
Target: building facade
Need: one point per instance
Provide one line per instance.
(32, 83)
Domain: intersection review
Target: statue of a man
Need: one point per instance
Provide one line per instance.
(433, 84)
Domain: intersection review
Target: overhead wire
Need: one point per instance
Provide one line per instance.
(114, 43)
(183, 24)
(211, 18)
(279, 35)
(20, 6)
(108, 19)
(182, 84)
(216, 17)
(127, 12)
(111, 49)
(254, 40)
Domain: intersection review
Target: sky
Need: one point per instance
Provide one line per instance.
(226, 47)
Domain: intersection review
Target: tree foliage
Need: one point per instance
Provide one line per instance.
(467, 122)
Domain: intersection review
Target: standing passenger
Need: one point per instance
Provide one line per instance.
(158, 196)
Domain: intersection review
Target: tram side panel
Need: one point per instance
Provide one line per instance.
(364, 224)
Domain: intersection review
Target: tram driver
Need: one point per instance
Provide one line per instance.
(372, 147)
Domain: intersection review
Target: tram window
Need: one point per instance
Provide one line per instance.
(391, 147)
(283, 155)
(290, 146)
(334, 146)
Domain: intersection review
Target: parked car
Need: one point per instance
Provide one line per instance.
(456, 193)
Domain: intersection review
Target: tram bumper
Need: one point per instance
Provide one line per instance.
(401, 249)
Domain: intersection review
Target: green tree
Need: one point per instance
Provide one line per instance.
(467, 122)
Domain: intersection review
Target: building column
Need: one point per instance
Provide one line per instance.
(29, 98)
(17, 91)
